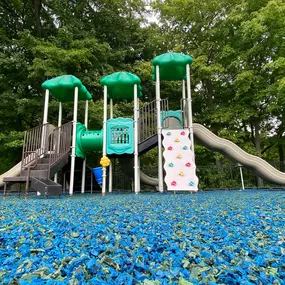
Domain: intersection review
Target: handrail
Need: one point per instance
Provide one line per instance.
(148, 119)
(34, 161)
(60, 143)
(35, 141)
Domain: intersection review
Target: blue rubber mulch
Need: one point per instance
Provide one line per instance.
(209, 238)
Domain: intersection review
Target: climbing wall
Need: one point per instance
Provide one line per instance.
(179, 163)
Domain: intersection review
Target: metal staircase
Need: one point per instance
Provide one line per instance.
(45, 152)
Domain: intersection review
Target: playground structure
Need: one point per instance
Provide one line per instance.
(47, 148)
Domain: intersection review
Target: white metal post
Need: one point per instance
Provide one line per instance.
(139, 163)
(59, 123)
(110, 166)
(159, 131)
(241, 176)
(136, 142)
(71, 184)
(184, 103)
(84, 161)
(189, 104)
(104, 139)
(45, 121)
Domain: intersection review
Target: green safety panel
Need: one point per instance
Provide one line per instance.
(87, 140)
(120, 85)
(172, 66)
(120, 136)
(62, 88)
(171, 114)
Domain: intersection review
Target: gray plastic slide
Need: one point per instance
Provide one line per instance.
(14, 171)
(231, 150)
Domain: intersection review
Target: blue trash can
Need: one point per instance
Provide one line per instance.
(98, 172)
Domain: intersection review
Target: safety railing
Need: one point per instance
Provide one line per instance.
(60, 142)
(148, 119)
(36, 144)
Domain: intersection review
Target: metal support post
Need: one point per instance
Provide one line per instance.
(189, 105)
(159, 131)
(84, 161)
(111, 166)
(72, 168)
(104, 140)
(136, 138)
(59, 123)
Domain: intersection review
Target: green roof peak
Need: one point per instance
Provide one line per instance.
(120, 85)
(62, 88)
(172, 66)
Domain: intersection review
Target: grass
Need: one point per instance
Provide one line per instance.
(221, 237)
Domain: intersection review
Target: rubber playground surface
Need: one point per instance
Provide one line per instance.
(220, 237)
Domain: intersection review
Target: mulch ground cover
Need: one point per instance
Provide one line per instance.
(220, 237)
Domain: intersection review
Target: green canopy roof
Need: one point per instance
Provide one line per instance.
(120, 85)
(172, 66)
(62, 88)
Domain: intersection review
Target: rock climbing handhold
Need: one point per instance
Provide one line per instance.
(191, 183)
(182, 133)
(169, 148)
(179, 156)
(168, 133)
(177, 140)
(181, 173)
(185, 147)
(170, 164)
(173, 183)
(188, 164)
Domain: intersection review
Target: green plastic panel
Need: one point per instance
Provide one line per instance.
(120, 136)
(62, 88)
(87, 140)
(172, 66)
(120, 85)
(174, 114)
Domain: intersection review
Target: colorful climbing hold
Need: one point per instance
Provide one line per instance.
(185, 147)
(105, 161)
(169, 148)
(168, 133)
(177, 140)
(173, 183)
(181, 173)
(170, 164)
(191, 183)
(179, 156)
(188, 164)
(182, 133)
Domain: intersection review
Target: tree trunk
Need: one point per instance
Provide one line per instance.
(281, 156)
(258, 147)
(38, 7)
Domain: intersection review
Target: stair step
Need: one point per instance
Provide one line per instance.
(41, 173)
(41, 166)
(44, 160)
(46, 187)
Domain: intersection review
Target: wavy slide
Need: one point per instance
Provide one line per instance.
(231, 150)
